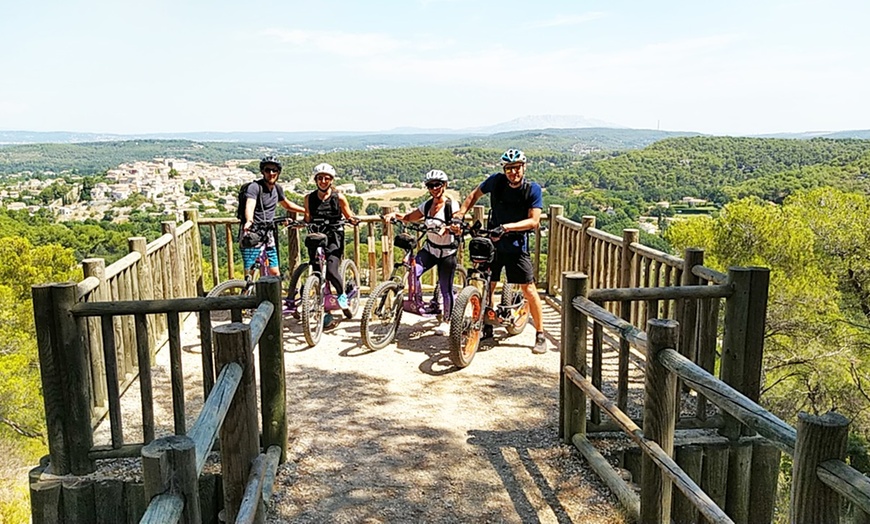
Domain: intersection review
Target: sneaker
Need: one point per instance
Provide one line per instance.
(540, 344)
(328, 321)
(487, 332)
(342, 301)
(442, 330)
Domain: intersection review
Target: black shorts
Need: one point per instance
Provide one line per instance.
(517, 267)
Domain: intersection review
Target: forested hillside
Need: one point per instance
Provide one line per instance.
(774, 204)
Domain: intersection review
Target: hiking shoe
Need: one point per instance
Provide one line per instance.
(442, 330)
(342, 301)
(540, 346)
(329, 321)
(487, 332)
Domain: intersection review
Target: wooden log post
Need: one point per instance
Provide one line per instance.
(174, 272)
(819, 438)
(737, 498)
(215, 269)
(553, 274)
(572, 408)
(714, 474)
(626, 280)
(109, 500)
(357, 240)
(135, 502)
(195, 238)
(96, 267)
(586, 243)
(231, 250)
(72, 363)
(386, 244)
(46, 503)
(689, 458)
(743, 341)
(78, 500)
(372, 255)
(686, 312)
(659, 418)
(169, 466)
(51, 372)
(273, 392)
(763, 483)
(478, 213)
(239, 433)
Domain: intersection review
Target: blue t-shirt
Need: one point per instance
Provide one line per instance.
(264, 210)
(509, 205)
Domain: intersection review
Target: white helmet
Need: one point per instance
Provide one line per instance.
(435, 175)
(513, 156)
(325, 168)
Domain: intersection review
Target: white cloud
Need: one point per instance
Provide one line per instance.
(334, 42)
(567, 20)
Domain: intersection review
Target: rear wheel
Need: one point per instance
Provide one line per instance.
(381, 315)
(465, 325)
(228, 288)
(311, 310)
(297, 280)
(512, 300)
(350, 277)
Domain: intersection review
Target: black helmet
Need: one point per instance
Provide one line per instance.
(270, 160)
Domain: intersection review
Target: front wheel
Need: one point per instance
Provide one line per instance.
(228, 288)
(513, 301)
(312, 310)
(465, 325)
(381, 315)
(350, 276)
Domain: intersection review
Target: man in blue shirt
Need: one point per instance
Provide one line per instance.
(516, 208)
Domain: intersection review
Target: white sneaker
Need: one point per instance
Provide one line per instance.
(442, 330)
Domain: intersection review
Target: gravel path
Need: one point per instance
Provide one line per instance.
(399, 435)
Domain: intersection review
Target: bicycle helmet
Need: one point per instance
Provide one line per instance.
(324, 168)
(435, 175)
(513, 156)
(270, 160)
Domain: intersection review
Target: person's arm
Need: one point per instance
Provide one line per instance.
(469, 202)
(306, 210)
(292, 206)
(414, 216)
(250, 205)
(346, 210)
(525, 224)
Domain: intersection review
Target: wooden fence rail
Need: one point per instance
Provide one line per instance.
(821, 479)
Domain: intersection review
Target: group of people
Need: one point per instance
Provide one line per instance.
(516, 205)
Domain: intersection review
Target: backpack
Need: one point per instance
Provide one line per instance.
(243, 199)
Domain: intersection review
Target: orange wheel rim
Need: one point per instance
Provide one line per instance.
(473, 337)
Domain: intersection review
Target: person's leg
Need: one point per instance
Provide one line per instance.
(424, 261)
(521, 272)
(272, 255)
(249, 256)
(333, 275)
(446, 271)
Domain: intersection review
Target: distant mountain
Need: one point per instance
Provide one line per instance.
(528, 123)
(862, 134)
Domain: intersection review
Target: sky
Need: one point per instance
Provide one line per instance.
(149, 66)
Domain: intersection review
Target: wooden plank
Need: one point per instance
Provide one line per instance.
(112, 383)
(211, 417)
(178, 305)
(176, 373)
(252, 508)
(622, 328)
(163, 509)
(626, 495)
(146, 392)
(731, 401)
(850, 483)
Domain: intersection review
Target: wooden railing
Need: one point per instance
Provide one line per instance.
(370, 246)
(172, 465)
(62, 326)
(817, 447)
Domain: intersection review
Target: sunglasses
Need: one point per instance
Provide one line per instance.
(434, 185)
(271, 170)
(512, 169)
(322, 178)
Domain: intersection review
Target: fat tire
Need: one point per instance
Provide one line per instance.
(369, 315)
(348, 266)
(234, 287)
(464, 340)
(312, 310)
(510, 296)
(299, 274)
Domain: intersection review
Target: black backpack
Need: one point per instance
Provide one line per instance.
(243, 199)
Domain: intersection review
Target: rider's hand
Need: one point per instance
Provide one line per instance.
(247, 225)
(497, 232)
(353, 220)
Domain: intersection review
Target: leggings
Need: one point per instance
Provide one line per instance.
(446, 270)
(333, 266)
